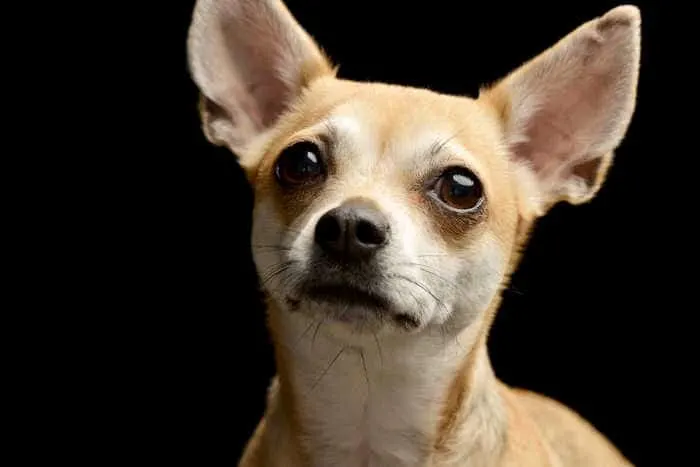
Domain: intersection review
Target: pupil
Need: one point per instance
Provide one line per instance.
(307, 164)
(461, 185)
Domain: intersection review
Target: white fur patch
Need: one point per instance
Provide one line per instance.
(375, 402)
(375, 398)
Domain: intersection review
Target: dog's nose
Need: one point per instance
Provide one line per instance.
(354, 230)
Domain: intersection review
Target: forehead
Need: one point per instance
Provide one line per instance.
(379, 124)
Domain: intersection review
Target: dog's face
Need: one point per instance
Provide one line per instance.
(395, 209)
(380, 205)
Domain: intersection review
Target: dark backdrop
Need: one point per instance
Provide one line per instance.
(579, 323)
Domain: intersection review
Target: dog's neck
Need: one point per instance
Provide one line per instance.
(397, 400)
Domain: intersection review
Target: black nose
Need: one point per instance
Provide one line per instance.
(353, 230)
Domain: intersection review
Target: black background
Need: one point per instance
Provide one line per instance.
(185, 377)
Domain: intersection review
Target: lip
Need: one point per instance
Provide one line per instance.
(343, 294)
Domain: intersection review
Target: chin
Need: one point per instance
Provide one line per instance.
(361, 309)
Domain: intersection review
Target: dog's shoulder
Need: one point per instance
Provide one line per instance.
(272, 444)
(572, 439)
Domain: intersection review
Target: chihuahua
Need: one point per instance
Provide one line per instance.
(387, 221)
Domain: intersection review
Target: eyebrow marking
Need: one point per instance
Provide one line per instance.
(340, 127)
(440, 144)
(331, 132)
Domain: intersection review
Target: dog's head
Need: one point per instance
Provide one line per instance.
(401, 208)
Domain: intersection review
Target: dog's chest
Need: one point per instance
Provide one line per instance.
(359, 414)
(382, 429)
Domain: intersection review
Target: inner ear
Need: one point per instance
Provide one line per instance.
(567, 110)
(251, 60)
(590, 172)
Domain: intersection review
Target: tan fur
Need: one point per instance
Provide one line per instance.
(544, 134)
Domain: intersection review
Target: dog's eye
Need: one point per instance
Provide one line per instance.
(299, 164)
(459, 189)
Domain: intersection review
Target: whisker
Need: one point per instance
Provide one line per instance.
(278, 264)
(424, 288)
(364, 366)
(313, 339)
(271, 247)
(297, 232)
(290, 279)
(345, 310)
(330, 365)
(435, 273)
(439, 276)
(379, 349)
(413, 296)
(306, 331)
(280, 268)
(515, 290)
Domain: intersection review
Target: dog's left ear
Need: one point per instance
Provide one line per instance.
(565, 111)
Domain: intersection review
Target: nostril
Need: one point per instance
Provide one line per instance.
(369, 233)
(351, 232)
(328, 229)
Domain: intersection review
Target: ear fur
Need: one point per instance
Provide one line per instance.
(251, 60)
(565, 111)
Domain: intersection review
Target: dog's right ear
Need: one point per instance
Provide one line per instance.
(250, 60)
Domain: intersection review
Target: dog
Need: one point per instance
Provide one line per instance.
(387, 221)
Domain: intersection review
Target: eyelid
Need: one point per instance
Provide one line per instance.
(435, 174)
(316, 141)
(323, 135)
(451, 152)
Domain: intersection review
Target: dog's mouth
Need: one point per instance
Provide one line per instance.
(347, 300)
(347, 295)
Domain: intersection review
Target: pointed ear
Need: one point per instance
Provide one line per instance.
(565, 111)
(250, 60)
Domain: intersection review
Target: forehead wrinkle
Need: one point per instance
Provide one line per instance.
(337, 131)
(455, 151)
(440, 144)
(430, 148)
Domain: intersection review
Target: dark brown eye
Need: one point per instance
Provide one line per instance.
(459, 189)
(299, 164)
